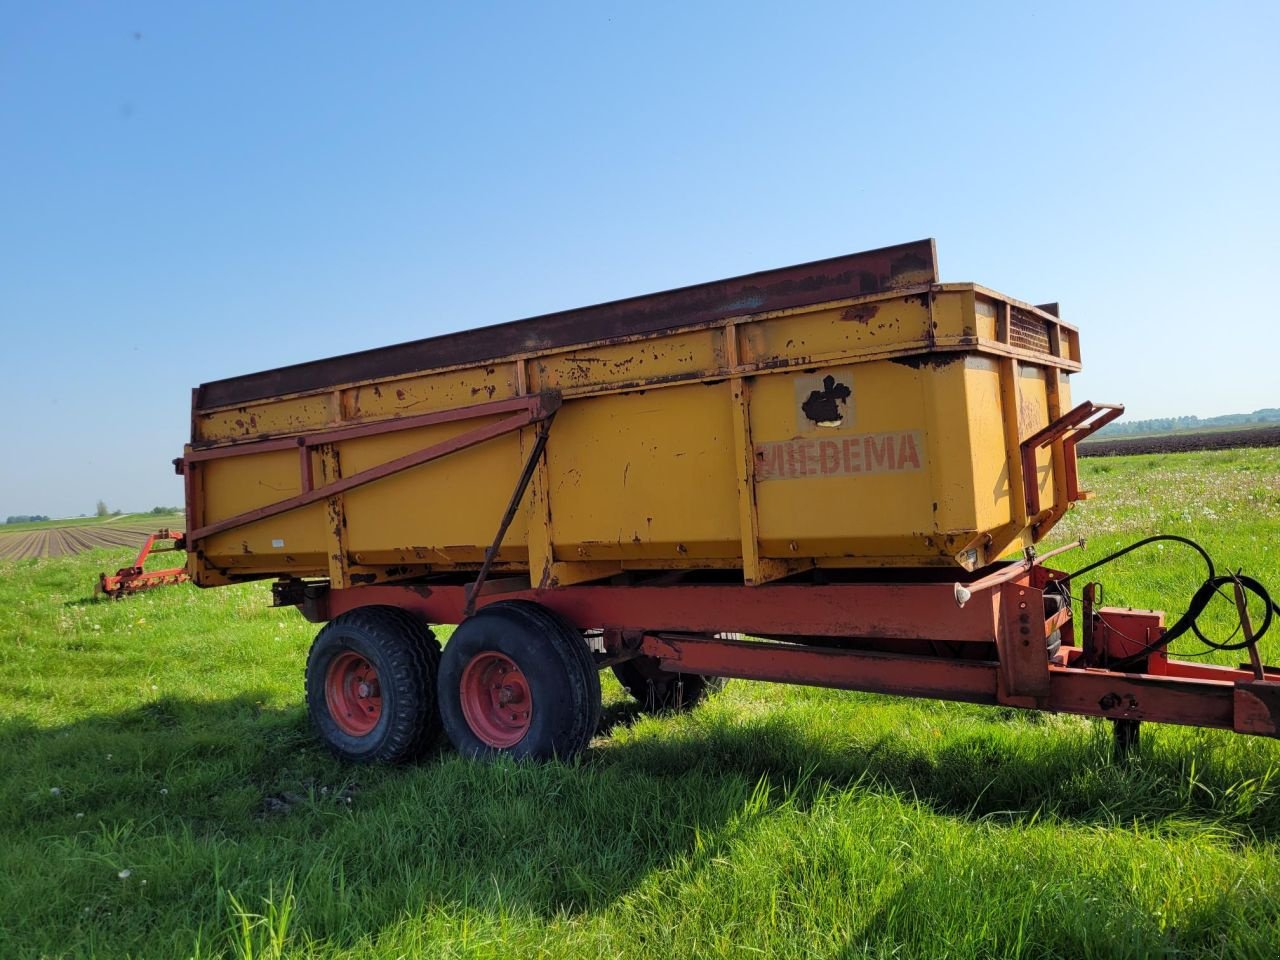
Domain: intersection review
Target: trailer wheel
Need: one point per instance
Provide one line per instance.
(661, 691)
(370, 684)
(516, 680)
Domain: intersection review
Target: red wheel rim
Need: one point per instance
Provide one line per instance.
(496, 699)
(351, 689)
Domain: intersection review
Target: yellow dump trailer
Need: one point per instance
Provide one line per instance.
(808, 475)
(848, 413)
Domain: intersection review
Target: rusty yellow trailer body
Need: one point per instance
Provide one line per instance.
(852, 413)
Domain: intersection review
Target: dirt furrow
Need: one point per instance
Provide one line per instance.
(1180, 442)
(76, 538)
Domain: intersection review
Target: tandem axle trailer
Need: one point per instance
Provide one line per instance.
(809, 475)
(1010, 638)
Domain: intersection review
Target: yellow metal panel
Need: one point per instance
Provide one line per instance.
(1033, 415)
(644, 361)
(824, 490)
(872, 431)
(445, 510)
(954, 417)
(987, 459)
(292, 541)
(954, 315)
(445, 390)
(268, 417)
(236, 484)
(1064, 387)
(644, 474)
(872, 325)
(537, 514)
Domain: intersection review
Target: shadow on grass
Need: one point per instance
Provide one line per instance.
(1010, 767)
(222, 797)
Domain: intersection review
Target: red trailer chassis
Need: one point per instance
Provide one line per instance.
(986, 641)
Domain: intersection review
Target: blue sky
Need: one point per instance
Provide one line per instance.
(192, 191)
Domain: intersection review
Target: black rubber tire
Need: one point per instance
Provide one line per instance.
(557, 664)
(406, 656)
(662, 691)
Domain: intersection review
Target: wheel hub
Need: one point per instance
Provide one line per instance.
(496, 699)
(352, 694)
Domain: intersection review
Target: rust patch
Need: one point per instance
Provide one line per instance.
(861, 313)
(1257, 708)
(928, 361)
(1127, 702)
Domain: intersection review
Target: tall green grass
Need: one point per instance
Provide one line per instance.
(162, 796)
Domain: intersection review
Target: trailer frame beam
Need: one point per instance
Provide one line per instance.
(905, 639)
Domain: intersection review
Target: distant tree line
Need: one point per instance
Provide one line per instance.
(1181, 424)
(102, 511)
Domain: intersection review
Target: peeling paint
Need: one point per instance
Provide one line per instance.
(860, 313)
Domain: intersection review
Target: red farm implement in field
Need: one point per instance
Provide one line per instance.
(133, 579)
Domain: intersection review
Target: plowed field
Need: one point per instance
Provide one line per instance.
(1182, 442)
(72, 539)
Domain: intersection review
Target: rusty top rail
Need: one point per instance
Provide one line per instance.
(857, 274)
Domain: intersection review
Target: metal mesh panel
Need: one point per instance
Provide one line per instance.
(1027, 332)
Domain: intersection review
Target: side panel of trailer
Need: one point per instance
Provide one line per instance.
(884, 429)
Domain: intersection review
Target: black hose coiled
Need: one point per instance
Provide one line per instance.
(1213, 583)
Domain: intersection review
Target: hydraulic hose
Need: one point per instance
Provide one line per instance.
(1211, 586)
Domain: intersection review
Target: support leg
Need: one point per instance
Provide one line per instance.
(1124, 739)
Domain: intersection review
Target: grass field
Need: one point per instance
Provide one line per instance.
(162, 796)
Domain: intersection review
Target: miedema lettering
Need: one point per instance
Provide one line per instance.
(839, 456)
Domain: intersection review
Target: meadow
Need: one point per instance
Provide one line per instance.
(162, 795)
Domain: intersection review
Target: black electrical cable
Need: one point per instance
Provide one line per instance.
(1213, 583)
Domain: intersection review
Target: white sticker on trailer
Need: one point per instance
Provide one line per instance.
(277, 543)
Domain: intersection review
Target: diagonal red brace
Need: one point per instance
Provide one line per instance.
(530, 410)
